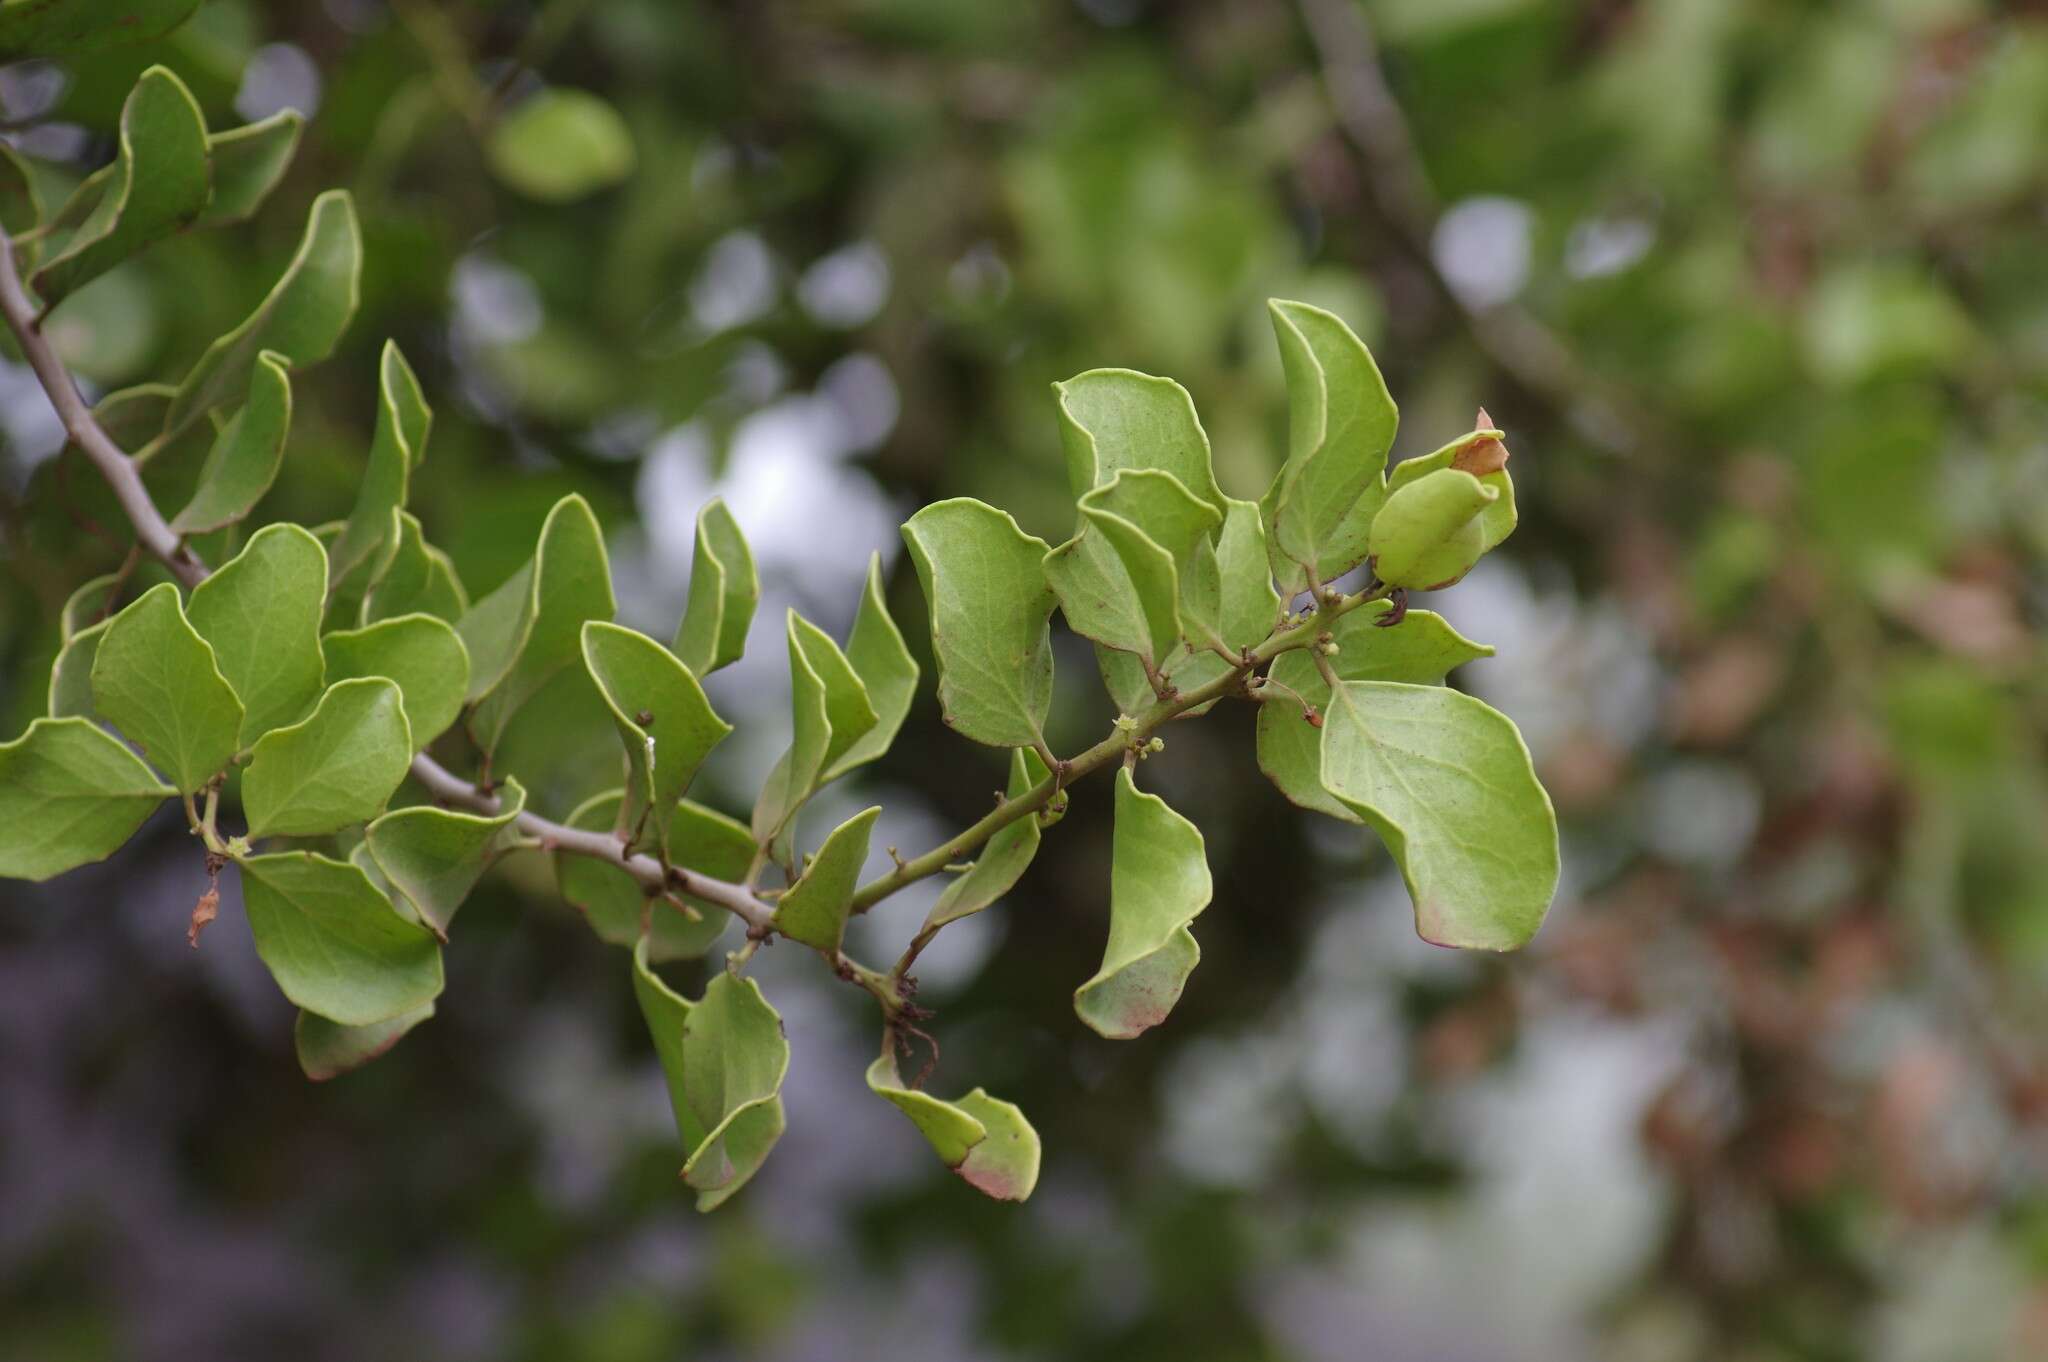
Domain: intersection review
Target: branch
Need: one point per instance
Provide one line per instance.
(156, 535)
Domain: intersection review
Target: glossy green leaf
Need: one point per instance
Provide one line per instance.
(990, 609)
(1159, 881)
(417, 579)
(422, 654)
(1447, 783)
(1117, 419)
(1421, 651)
(700, 839)
(337, 767)
(261, 613)
(328, 1049)
(665, 724)
(795, 774)
(985, 1140)
(248, 162)
(1340, 425)
(813, 910)
(887, 672)
(725, 1058)
(530, 628)
(561, 145)
(70, 793)
(724, 590)
(1119, 579)
(1428, 533)
(246, 455)
(301, 318)
(156, 680)
(334, 943)
(434, 857)
(400, 443)
(160, 185)
(1004, 857)
(63, 28)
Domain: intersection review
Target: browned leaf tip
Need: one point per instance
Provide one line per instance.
(1482, 454)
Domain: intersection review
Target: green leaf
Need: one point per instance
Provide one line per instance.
(400, 443)
(1119, 579)
(248, 162)
(335, 944)
(328, 1049)
(795, 774)
(702, 840)
(1230, 598)
(886, 670)
(422, 654)
(434, 857)
(301, 318)
(156, 680)
(1484, 454)
(724, 1058)
(724, 590)
(561, 145)
(160, 184)
(1428, 534)
(261, 614)
(336, 768)
(664, 721)
(1422, 650)
(417, 579)
(71, 674)
(530, 628)
(1116, 419)
(813, 910)
(1340, 425)
(246, 455)
(990, 611)
(21, 205)
(62, 28)
(70, 793)
(1159, 881)
(1447, 783)
(985, 1140)
(848, 709)
(1004, 858)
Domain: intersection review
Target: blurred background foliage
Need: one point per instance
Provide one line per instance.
(1758, 289)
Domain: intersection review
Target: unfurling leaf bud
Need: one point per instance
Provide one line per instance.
(1428, 534)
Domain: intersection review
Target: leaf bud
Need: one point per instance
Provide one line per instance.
(1428, 534)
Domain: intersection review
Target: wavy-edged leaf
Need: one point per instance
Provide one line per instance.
(1119, 579)
(886, 670)
(248, 162)
(396, 450)
(1159, 882)
(63, 28)
(813, 910)
(337, 767)
(847, 706)
(724, 590)
(160, 185)
(1447, 783)
(1232, 600)
(1117, 419)
(725, 1058)
(990, 610)
(246, 454)
(1004, 857)
(328, 1049)
(334, 943)
(261, 614)
(796, 773)
(530, 628)
(1421, 651)
(434, 857)
(619, 910)
(417, 579)
(70, 794)
(81, 624)
(1340, 425)
(301, 318)
(985, 1140)
(665, 724)
(421, 653)
(156, 680)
